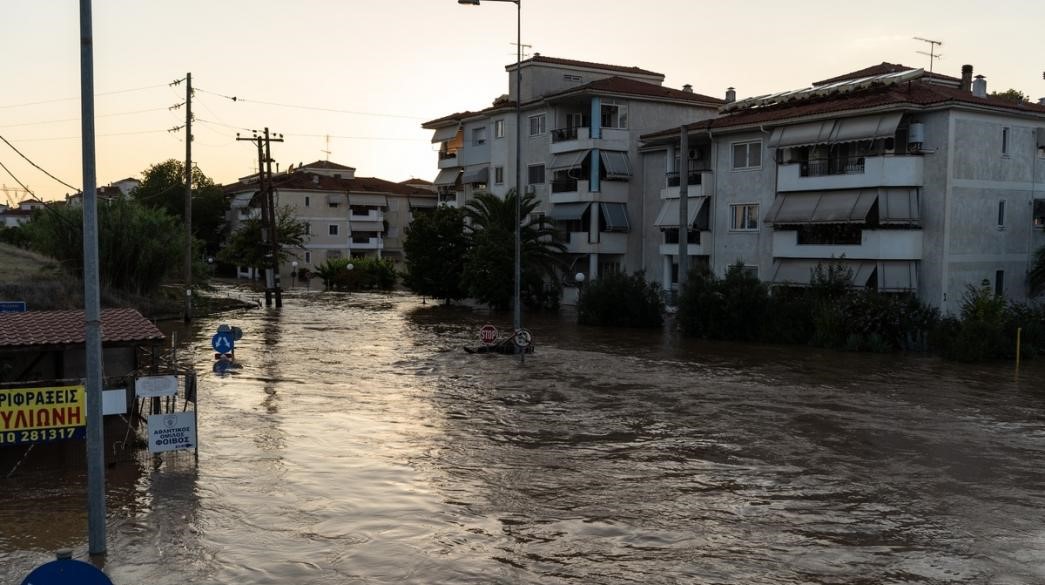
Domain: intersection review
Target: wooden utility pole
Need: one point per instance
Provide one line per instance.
(270, 196)
(269, 216)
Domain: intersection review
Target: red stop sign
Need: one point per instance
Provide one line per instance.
(488, 334)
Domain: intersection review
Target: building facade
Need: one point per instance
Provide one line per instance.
(919, 183)
(579, 151)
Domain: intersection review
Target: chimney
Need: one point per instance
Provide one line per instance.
(731, 95)
(966, 78)
(687, 88)
(979, 86)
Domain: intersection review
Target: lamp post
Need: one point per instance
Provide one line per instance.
(294, 273)
(517, 301)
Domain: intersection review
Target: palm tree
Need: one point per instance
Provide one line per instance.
(1036, 278)
(490, 262)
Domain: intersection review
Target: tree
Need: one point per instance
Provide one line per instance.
(137, 246)
(489, 268)
(1036, 277)
(435, 248)
(163, 187)
(1011, 95)
(245, 247)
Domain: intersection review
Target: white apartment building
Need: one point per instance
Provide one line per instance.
(581, 122)
(924, 183)
(346, 216)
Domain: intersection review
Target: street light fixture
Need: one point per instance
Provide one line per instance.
(517, 301)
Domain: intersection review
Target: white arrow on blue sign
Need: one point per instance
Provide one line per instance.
(222, 342)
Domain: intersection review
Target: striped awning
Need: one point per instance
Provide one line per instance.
(568, 211)
(445, 133)
(447, 177)
(615, 216)
(480, 174)
(669, 213)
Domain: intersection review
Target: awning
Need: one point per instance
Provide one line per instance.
(447, 177)
(885, 275)
(616, 164)
(802, 134)
(476, 175)
(616, 217)
(822, 207)
(669, 213)
(358, 199)
(866, 127)
(568, 160)
(423, 203)
(568, 211)
(241, 200)
(445, 133)
(366, 226)
(899, 206)
(335, 199)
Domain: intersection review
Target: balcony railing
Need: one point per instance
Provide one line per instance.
(674, 179)
(443, 155)
(853, 165)
(564, 134)
(564, 185)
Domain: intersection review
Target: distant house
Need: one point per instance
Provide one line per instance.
(347, 216)
(14, 217)
(121, 189)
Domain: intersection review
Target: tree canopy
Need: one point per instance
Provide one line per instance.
(1011, 95)
(245, 247)
(435, 248)
(163, 187)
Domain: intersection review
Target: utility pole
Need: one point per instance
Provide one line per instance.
(188, 188)
(91, 295)
(269, 219)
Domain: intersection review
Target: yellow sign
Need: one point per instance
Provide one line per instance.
(34, 415)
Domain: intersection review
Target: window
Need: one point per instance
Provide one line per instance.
(308, 257)
(999, 282)
(613, 114)
(747, 155)
(479, 136)
(1001, 214)
(498, 129)
(1005, 132)
(332, 202)
(537, 125)
(745, 217)
(308, 200)
(332, 229)
(498, 175)
(536, 174)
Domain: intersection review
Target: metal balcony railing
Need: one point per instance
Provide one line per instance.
(695, 178)
(853, 165)
(564, 134)
(443, 155)
(564, 185)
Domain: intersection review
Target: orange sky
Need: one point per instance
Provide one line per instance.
(388, 66)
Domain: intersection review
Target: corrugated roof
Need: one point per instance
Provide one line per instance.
(882, 69)
(43, 328)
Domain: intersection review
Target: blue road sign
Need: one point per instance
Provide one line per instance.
(66, 572)
(12, 307)
(222, 342)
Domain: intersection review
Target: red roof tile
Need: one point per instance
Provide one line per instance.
(538, 58)
(313, 182)
(42, 328)
(638, 88)
(325, 164)
(455, 117)
(882, 69)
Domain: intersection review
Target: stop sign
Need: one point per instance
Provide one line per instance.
(488, 334)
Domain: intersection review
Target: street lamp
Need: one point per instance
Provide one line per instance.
(294, 273)
(517, 316)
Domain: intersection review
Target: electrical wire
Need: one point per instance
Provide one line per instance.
(78, 119)
(314, 108)
(78, 97)
(38, 167)
(77, 137)
(24, 188)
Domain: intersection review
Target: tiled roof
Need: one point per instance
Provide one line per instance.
(882, 69)
(638, 88)
(415, 182)
(538, 58)
(914, 94)
(313, 182)
(455, 117)
(42, 328)
(325, 164)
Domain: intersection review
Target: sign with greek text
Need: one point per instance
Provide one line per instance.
(39, 415)
(156, 386)
(170, 432)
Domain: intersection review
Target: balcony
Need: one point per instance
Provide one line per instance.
(371, 215)
(852, 173)
(570, 139)
(448, 160)
(874, 245)
(699, 185)
(576, 191)
(609, 243)
(365, 243)
(699, 243)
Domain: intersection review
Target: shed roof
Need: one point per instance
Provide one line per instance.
(36, 329)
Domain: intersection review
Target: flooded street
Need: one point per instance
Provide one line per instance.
(360, 444)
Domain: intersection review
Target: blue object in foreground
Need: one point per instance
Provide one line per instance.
(67, 572)
(222, 342)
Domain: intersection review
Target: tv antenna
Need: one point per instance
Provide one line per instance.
(524, 46)
(327, 151)
(931, 53)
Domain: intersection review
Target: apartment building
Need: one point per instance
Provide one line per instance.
(924, 183)
(346, 216)
(580, 127)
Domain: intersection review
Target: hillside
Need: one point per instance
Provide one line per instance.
(18, 265)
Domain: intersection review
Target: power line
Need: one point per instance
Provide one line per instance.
(314, 108)
(24, 188)
(77, 119)
(38, 167)
(66, 99)
(77, 137)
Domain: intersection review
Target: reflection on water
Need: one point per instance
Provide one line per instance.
(359, 444)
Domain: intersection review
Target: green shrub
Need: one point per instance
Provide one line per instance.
(621, 300)
(733, 308)
(364, 274)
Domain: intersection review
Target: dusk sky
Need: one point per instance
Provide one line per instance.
(388, 66)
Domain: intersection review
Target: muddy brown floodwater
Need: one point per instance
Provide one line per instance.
(360, 444)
